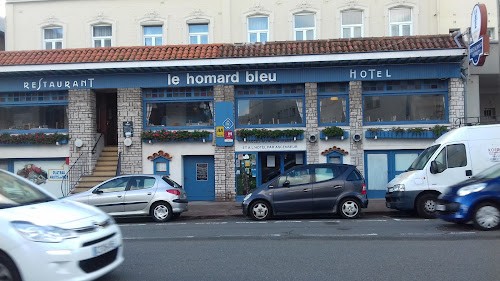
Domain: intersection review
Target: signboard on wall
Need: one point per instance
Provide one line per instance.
(260, 146)
(480, 46)
(48, 174)
(224, 124)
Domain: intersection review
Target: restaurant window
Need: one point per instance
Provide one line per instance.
(333, 103)
(405, 101)
(274, 105)
(39, 111)
(179, 107)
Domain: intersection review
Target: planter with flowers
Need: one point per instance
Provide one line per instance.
(166, 136)
(333, 132)
(269, 135)
(33, 138)
(408, 133)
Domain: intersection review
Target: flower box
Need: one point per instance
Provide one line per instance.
(324, 137)
(282, 138)
(399, 135)
(201, 139)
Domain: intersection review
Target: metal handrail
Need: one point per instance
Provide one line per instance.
(95, 145)
(74, 174)
(119, 165)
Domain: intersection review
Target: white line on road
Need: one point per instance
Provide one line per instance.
(251, 222)
(340, 235)
(223, 222)
(287, 221)
(326, 221)
(157, 238)
(411, 220)
(368, 220)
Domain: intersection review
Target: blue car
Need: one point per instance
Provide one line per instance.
(476, 199)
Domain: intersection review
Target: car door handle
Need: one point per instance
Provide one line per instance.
(307, 189)
(337, 186)
(119, 196)
(149, 193)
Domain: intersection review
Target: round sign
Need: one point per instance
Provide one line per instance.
(479, 21)
(78, 143)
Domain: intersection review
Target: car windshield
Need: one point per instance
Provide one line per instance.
(488, 174)
(422, 159)
(15, 192)
(171, 182)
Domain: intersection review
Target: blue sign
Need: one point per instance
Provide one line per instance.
(224, 124)
(476, 51)
(235, 77)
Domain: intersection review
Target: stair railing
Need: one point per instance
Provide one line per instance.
(119, 165)
(74, 174)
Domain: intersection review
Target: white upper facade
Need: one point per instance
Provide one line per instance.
(55, 24)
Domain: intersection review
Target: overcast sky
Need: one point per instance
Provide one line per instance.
(2, 8)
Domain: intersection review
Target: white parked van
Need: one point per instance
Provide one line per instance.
(455, 156)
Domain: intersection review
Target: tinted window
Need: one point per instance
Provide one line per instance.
(354, 176)
(456, 156)
(114, 185)
(296, 177)
(325, 173)
(171, 182)
(142, 183)
(441, 160)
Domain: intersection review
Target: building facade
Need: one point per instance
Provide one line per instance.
(223, 118)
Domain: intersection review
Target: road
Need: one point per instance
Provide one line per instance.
(310, 248)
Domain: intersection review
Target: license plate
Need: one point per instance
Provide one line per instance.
(441, 207)
(103, 248)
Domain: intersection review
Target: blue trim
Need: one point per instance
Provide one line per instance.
(375, 194)
(323, 137)
(335, 153)
(161, 159)
(404, 135)
(207, 139)
(47, 131)
(252, 138)
(385, 84)
(34, 96)
(303, 124)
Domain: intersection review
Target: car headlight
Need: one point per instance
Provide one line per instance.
(40, 233)
(398, 187)
(471, 188)
(248, 196)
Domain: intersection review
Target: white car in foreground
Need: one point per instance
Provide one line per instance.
(45, 239)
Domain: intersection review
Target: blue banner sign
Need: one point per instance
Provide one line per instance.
(224, 123)
(476, 52)
(235, 77)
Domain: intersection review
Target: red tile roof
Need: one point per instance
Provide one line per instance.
(334, 149)
(208, 51)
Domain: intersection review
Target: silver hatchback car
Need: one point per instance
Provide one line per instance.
(132, 195)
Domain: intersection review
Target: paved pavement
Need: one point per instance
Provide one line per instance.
(216, 209)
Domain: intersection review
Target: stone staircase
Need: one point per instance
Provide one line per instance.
(105, 169)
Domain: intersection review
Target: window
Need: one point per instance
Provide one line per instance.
(115, 185)
(198, 33)
(30, 111)
(491, 32)
(333, 99)
(258, 29)
(452, 156)
(325, 174)
(261, 106)
(354, 176)
(305, 27)
(400, 21)
(138, 183)
(53, 38)
(334, 157)
(413, 101)
(102, 36)
(296, 177)
(153, 35)
(179, 107)
(352, 24)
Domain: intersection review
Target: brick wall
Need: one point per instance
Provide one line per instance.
(129, 103)
(312, 122)
(356, 124)
(456, 103)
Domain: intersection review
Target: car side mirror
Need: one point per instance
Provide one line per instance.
(97, 191)
(434, 167)
(286, 183)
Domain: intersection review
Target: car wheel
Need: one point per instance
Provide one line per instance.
(486, 216)
(260, 210)
(161, 212)
(349, 209)
(426, 206)
(8, 270)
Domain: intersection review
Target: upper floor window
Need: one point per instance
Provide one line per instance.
(305, 27)
(102, 36)
(198, 33)
(258, 29)
(333, 101)
(352, 24)
(53, 38)
(153, 35)
(400, 21)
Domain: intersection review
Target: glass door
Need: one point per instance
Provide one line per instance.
(246, 174)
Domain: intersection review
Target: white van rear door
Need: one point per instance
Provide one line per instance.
(454, 165)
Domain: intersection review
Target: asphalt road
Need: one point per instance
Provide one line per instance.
(307, 248)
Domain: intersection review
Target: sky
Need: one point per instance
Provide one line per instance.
(2, 8)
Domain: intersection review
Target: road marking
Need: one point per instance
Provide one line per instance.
(157, 238)
(172, 223)
(326, 221)
(411, 220)
(368, 220)
(223, 222)
(250, 222)
(287, 221)
(340, 235)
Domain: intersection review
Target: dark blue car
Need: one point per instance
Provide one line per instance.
(476, 199)
(309, 189)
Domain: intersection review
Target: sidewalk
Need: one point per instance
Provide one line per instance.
(216, 209)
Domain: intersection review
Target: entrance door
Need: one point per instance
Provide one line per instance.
(275, 163)
(107, 123)
(199, 178)
(383, 166)
(246, 174)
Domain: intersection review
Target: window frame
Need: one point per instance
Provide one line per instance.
(165, 99)
(18, 99)
(327, 94)
(239, 97)
(351, 26)
(152, 36)
(199, 34)
(257, 31)
(102, 38)
(161, 159)
(402, 23)
(422, 91)
(53, 41)
(304, 30)
(334, 154)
